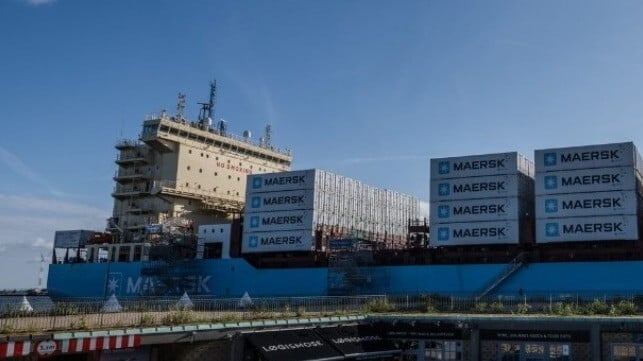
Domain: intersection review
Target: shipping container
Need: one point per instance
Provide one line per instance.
(278, 241)
(284, 181)
(587, 180)
(481, 165)
(279, 221)
(457, 234)
(593, 228)
(486, 209)
(587, 204)
(72, 239)
(281, 201)
(516, 185)
(588, 156)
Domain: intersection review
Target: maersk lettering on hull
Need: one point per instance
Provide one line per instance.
(277, 241)
(281, 201)
(593, 228)
(479, 210)
(480, 165)
(590, 156)
(498, 232)
(587, 204)
(481, 187)
(587, 180)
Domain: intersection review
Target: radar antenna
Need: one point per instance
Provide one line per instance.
(207, 109)
(180, 108)
(267, 135)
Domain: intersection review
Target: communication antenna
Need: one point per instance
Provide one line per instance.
(267, 135)
(207, 109)
(41, 273)
(180, 107)
(222, 127)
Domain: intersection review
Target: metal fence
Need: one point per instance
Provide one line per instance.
(92, 314)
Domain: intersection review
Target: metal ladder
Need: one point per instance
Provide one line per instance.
(511, 268)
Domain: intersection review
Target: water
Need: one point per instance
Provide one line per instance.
(39, 303)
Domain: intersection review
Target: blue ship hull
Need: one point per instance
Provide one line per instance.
(232, 277)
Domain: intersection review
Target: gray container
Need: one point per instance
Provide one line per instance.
(278, 241)
(594, 228)
(587, 180)
(282, 181)
(481, 165)
(455, 234)
(279, 221)
(280, 201)
(475, 210)
(587, 204)
(588, 156)
(516, 185)
(72, 239)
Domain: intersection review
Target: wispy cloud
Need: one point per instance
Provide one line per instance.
(48, 205)
(42, 243)
(358, 160)
(39, 2)
(20, 168)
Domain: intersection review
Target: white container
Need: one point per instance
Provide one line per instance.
(283, 181)
(498, 232)
(482, 187)
(279, 221)
(587, 204)
(281, 201)
(280, 241)
(480, 165)
(476, 210)
(587, 180)
(595, 228)
(589, 156)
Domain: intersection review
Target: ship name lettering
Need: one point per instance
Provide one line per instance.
(479, 164)
(292, 346)
(587, 156)
(593, 203)
(285, 180)
(283, 200)
(479, 187)
(479, 232)
(593, 227)
(266, 221)
(484, 209)
(267, 241)
(591, 179)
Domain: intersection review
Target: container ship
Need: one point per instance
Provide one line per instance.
(200, 210)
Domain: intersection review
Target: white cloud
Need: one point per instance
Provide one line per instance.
(40, 2)
(41, 243)
(48, 205)
(3, 249)
(22, 169)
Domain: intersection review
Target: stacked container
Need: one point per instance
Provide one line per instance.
(481, 199)
(302, 210)
(588, 193)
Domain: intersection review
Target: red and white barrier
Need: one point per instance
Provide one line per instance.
(15, 348)
(73, 345)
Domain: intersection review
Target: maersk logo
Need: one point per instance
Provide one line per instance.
(444, 167)
(552, 230)
(254, 222)
(444, 189)
(256, 182)
(255, 202)
(443, 212)
(443, 234)
(253, 241)
(551, 182)
(550, 159)
(551, 206)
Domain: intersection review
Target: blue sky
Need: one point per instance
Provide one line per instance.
(368, 89)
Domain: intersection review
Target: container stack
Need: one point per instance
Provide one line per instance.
(481, 199)
(588, 193)
(303, 210)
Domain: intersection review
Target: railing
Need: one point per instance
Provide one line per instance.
(509, 269)
(92, 314)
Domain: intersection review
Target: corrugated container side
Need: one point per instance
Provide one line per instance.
(283, 181)
(588, 156)
(495, 232)
(486, 209)
(594, 228)
(516, 185)
(587, 204)
(587, 180)
(278, 241)
(281, 201)
(479, 165)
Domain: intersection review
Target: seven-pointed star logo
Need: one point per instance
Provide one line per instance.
(550, 159)
(444, 167)
(551, 206)
(443, 212)
(443, 234)
(551, 229)
(551, 182)
(112, 285)
(443, 189)
(253, 242)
